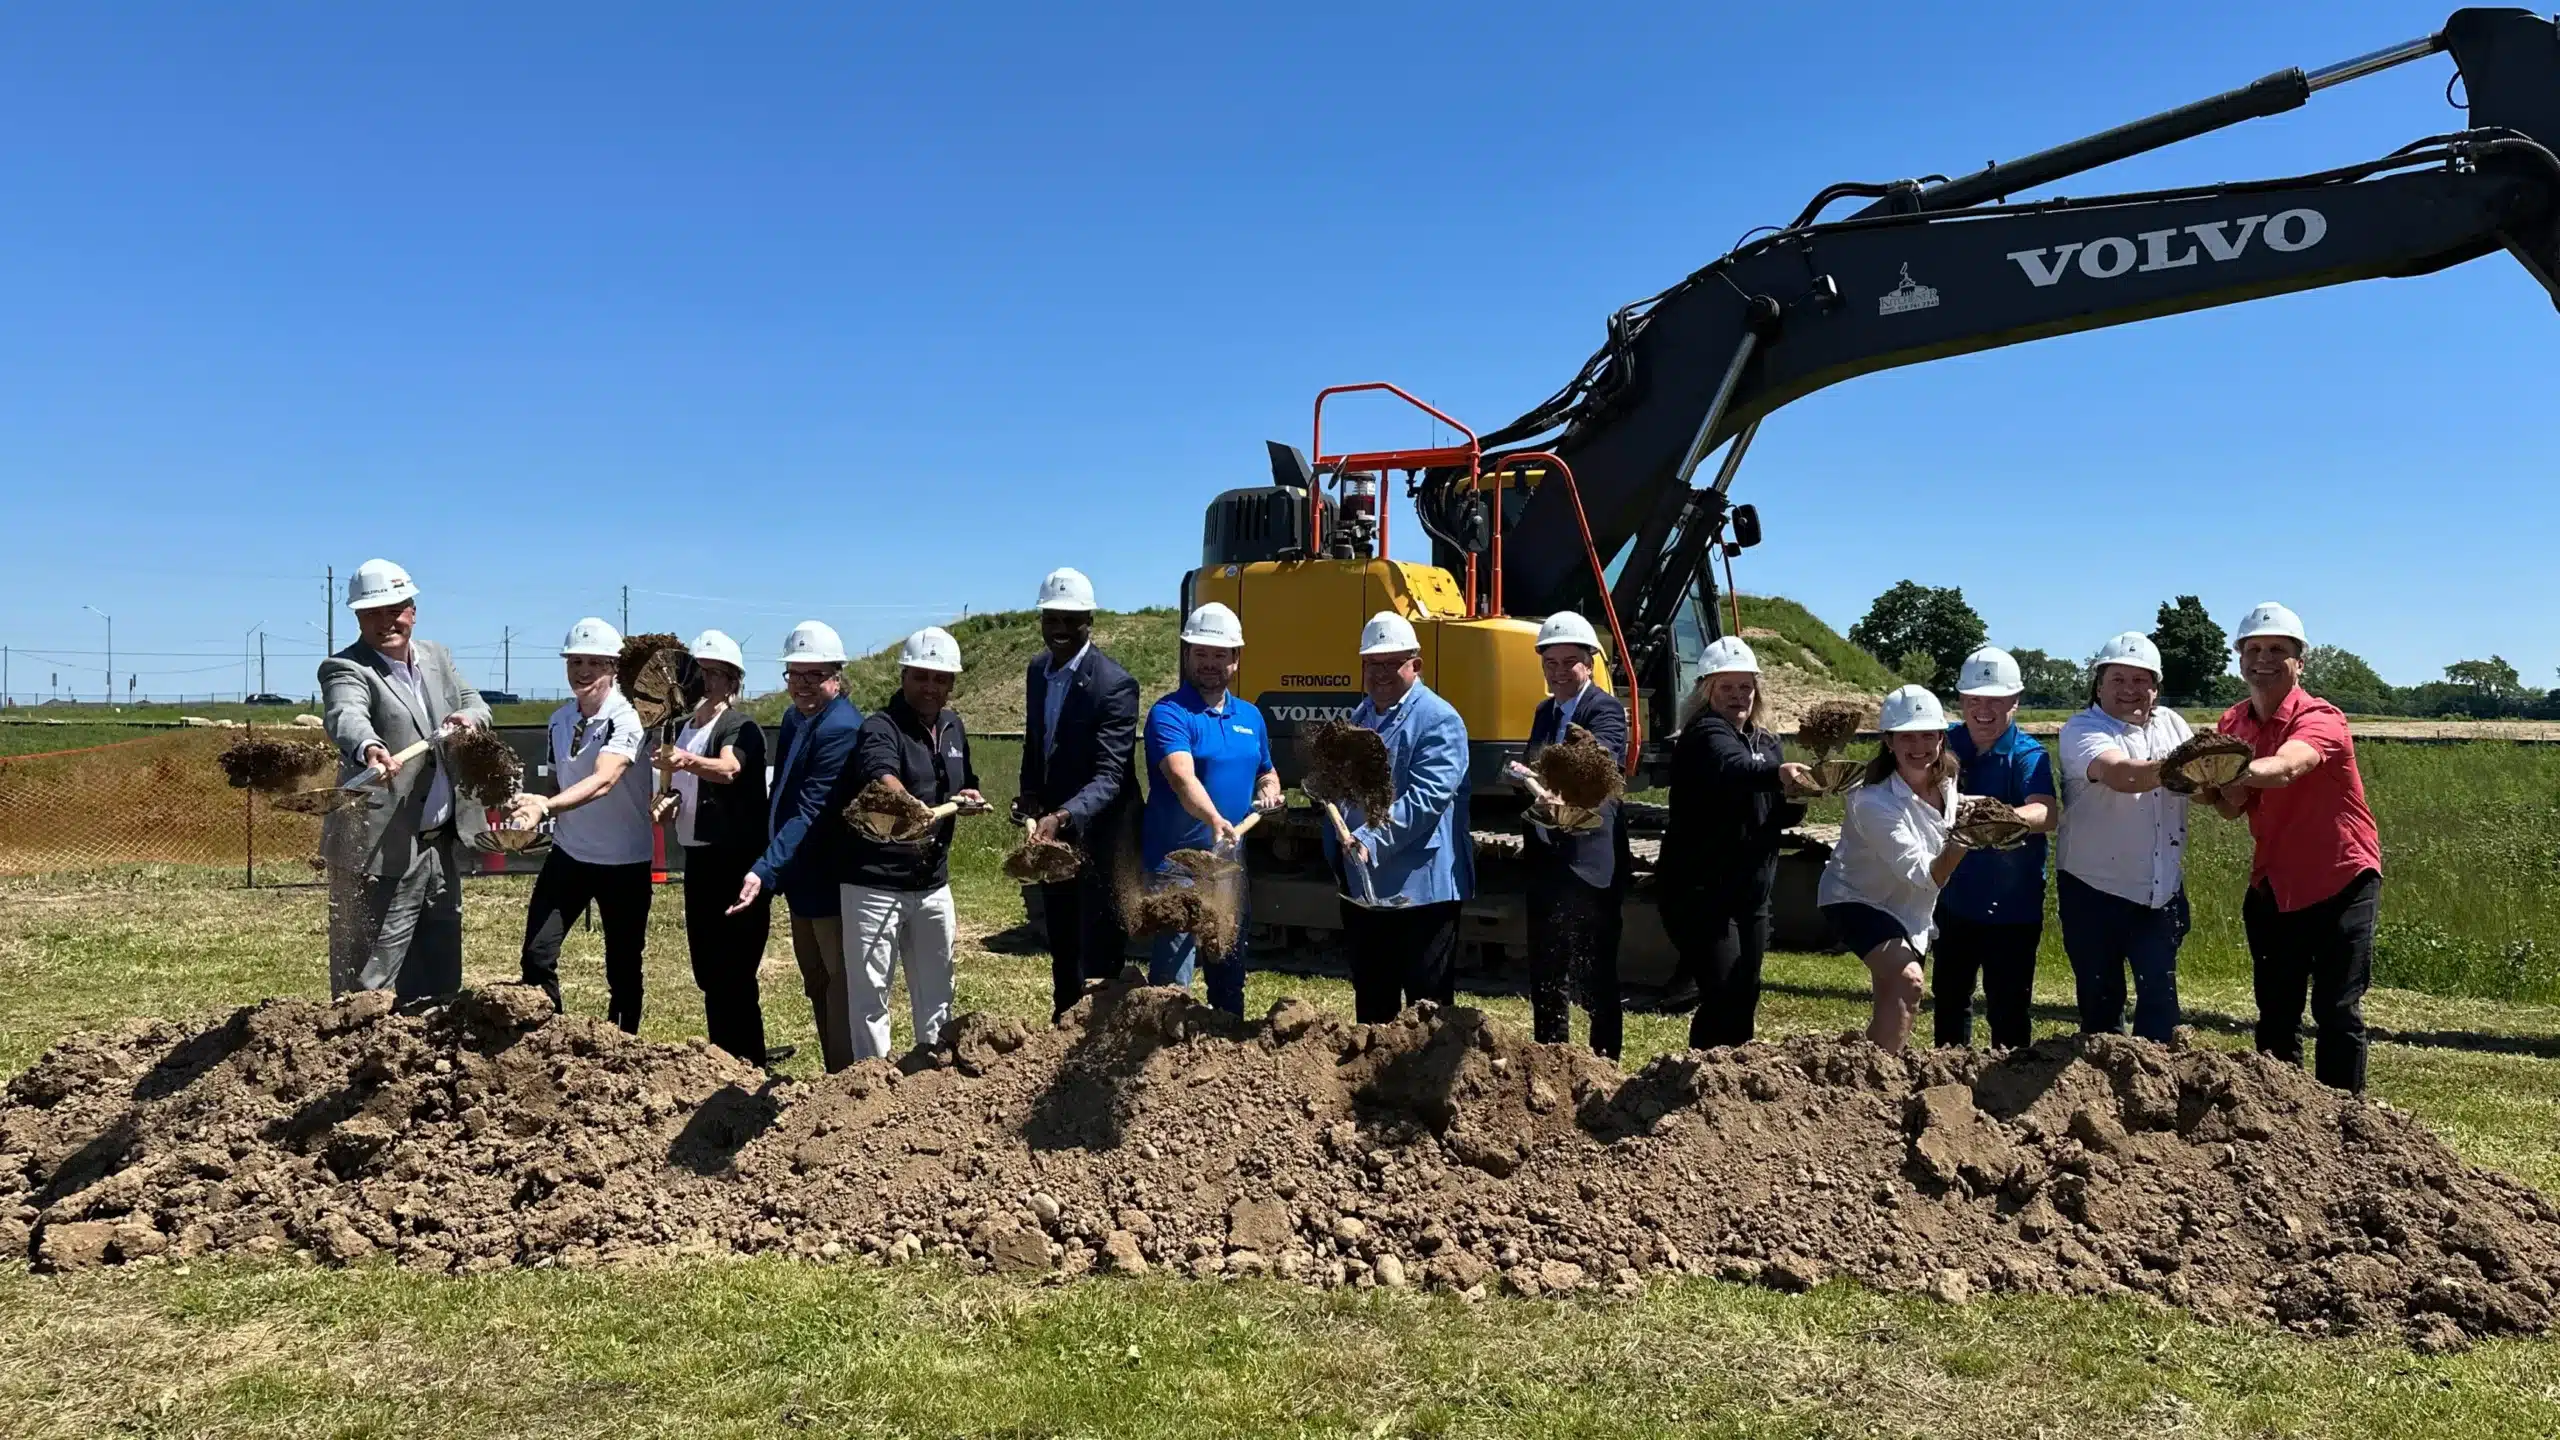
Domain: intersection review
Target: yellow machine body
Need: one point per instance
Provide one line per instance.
(1302, 622)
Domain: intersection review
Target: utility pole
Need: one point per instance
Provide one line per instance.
(626, 609)
(329, 607)
(262, 660)
(507, 660)
(111, 651)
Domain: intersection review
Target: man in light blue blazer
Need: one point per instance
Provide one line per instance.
(1419, 857)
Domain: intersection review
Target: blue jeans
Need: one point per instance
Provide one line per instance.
(2106, 934)
(1174, 957)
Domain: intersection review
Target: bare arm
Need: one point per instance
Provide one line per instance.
(2123, 774)
(2292, 760)
(609, 770)
(2042, 813)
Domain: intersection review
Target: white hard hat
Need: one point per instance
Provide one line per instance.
(1990, 671)
(713, 645)
(1214, 624)
(2130, 648)
(2270, 618)
(377, 583)
(1566, 628)
(1388, 633)
(592, 636)
(931, 648)
(812, 642)
(1912, 708)
(1728, 656)
(1066, 590)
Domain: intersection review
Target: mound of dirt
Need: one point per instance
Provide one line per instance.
(1146, 1131)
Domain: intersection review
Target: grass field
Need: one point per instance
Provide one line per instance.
(702, 1348)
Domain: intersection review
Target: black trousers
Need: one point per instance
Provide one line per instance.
(2327, 950)
(620, 894)
(1400, 956)
(1722, 940)
(1087, 938)
(2004, 956)
(1573, 954)
(727, 949)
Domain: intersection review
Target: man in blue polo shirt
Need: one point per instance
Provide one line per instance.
(1208, 767)
(1991, 911)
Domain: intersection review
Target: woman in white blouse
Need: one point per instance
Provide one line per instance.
(1880, 891)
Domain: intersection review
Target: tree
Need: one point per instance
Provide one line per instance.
(1932, 620)
(2342, 678)
(2492, 677)
(2051, 679)
(1916, 667)
(2193, 650)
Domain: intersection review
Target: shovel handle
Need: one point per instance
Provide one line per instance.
(1342, 836)
(945, 811)
(1247, 823)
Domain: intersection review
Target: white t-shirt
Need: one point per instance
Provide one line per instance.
(615, 829)
(2130, 846)
(685, 783)
(1889, 837)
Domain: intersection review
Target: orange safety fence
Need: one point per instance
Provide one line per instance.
(161, 799)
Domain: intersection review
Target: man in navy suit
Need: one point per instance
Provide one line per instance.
(1577, 879)
(1079, 782)
(812, 784)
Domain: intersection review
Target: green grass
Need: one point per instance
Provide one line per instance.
(1806, 643)
(773, 1347)
(764, 1347)
(16, 739)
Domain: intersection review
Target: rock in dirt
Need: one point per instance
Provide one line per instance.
(1442, 1148)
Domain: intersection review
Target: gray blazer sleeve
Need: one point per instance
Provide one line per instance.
(346, 694)
(467, 701)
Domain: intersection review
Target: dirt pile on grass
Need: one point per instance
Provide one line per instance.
(1149, 1132)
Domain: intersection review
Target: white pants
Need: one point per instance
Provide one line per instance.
(883, 928)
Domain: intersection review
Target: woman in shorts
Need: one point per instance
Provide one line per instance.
(1880, 890)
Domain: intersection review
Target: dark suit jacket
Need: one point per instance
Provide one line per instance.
(1596, 857)
(1728, 812)
(738, 815)
(810, 790)
(1092, 774)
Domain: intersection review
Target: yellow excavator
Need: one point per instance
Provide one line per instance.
(1588, 501)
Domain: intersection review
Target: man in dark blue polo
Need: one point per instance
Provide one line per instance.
(1991, 911)
(1079, 782)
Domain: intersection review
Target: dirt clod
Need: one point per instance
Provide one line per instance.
(274, 766)
(1828, 727)
(1148, 1132)
(484, 766)
(1347, 764)
(889, 813)
(1579, 770)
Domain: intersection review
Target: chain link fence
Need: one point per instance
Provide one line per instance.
(158, 800)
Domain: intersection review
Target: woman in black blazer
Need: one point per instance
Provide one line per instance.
(718, 786)
(1731, 789)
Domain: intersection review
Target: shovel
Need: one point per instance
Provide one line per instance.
(1368, 896)
(364, 789)
(1571, 819)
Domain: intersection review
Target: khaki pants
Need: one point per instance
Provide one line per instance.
(883, 929)
(817, 942)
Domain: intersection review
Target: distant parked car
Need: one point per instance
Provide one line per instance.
(501, 697)
(269, 700)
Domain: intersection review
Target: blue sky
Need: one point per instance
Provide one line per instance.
(770, 312)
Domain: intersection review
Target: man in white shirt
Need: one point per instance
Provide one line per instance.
(2121, 886)
(395, 903)
(602, 842)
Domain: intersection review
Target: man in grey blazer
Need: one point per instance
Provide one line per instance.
(395, 902)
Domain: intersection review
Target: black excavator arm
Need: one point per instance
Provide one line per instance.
(1932, 270)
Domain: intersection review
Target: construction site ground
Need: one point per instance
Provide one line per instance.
(987, 1332)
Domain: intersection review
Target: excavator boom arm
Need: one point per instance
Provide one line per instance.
(1915, 279)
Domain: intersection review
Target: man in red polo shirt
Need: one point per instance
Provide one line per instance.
(2316, 879)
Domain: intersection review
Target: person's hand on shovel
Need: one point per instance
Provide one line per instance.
(384, 764)
(972, 803)
(1046, 830)
(526, 810)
